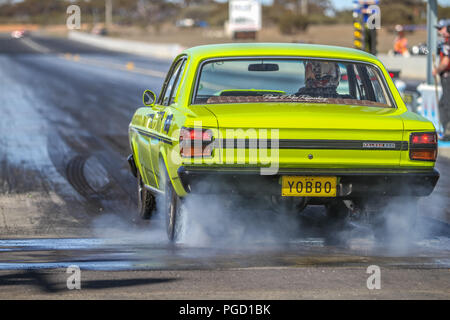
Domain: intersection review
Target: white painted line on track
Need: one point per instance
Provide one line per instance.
(35, 46)
(97, 62)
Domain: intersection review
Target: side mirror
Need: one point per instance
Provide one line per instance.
(148, 98)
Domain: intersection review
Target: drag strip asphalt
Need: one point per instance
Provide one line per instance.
(67, 198)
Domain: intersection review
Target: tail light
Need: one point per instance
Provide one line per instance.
(196, 142)
(423, 146)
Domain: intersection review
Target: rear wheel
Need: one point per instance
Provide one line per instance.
(337, 214)
(290, 206)
(172, 210)
(146, 200)
(396, 220)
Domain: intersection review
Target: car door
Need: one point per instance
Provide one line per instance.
(163, 112)
(143, 141)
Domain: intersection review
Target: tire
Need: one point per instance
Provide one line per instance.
(146, 200)
(337, 214)
(397, 220)
(172, 210)
(289, 206)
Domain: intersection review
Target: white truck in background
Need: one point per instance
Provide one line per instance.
(244, 19)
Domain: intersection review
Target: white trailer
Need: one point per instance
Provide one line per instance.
(244, 19)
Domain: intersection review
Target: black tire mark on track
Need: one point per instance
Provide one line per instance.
(75, 176)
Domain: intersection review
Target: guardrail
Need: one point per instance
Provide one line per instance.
(157, 50)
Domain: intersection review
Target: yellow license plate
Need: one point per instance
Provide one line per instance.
(296, 186)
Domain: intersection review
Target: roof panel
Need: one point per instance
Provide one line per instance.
(277, 49)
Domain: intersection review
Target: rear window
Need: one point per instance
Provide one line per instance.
(291, 81)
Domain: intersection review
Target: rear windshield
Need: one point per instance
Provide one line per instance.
(290, 80)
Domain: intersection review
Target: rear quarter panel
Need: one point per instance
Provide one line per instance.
(415, 123)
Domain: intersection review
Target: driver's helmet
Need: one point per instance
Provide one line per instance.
(322, 74)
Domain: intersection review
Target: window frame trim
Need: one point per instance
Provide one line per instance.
(169, 75)
(194, 89)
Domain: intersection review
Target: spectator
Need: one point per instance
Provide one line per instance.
(401, 43)
(443, 69)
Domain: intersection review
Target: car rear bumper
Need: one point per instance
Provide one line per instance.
(351, 183)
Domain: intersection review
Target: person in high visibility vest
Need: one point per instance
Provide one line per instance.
(443, 69)
(400, 42)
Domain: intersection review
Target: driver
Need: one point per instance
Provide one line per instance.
(321, 79)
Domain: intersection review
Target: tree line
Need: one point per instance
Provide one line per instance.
(289, 15)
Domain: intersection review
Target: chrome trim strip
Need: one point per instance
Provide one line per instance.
(152, 189)
(151, 135)
(315, 144)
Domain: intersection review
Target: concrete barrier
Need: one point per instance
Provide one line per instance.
(157, 50)
(444, 149)
(414, 67)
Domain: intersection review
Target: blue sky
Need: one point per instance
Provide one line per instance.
(347, 4)
(338, 4)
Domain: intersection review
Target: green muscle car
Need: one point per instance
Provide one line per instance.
(297, 124)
